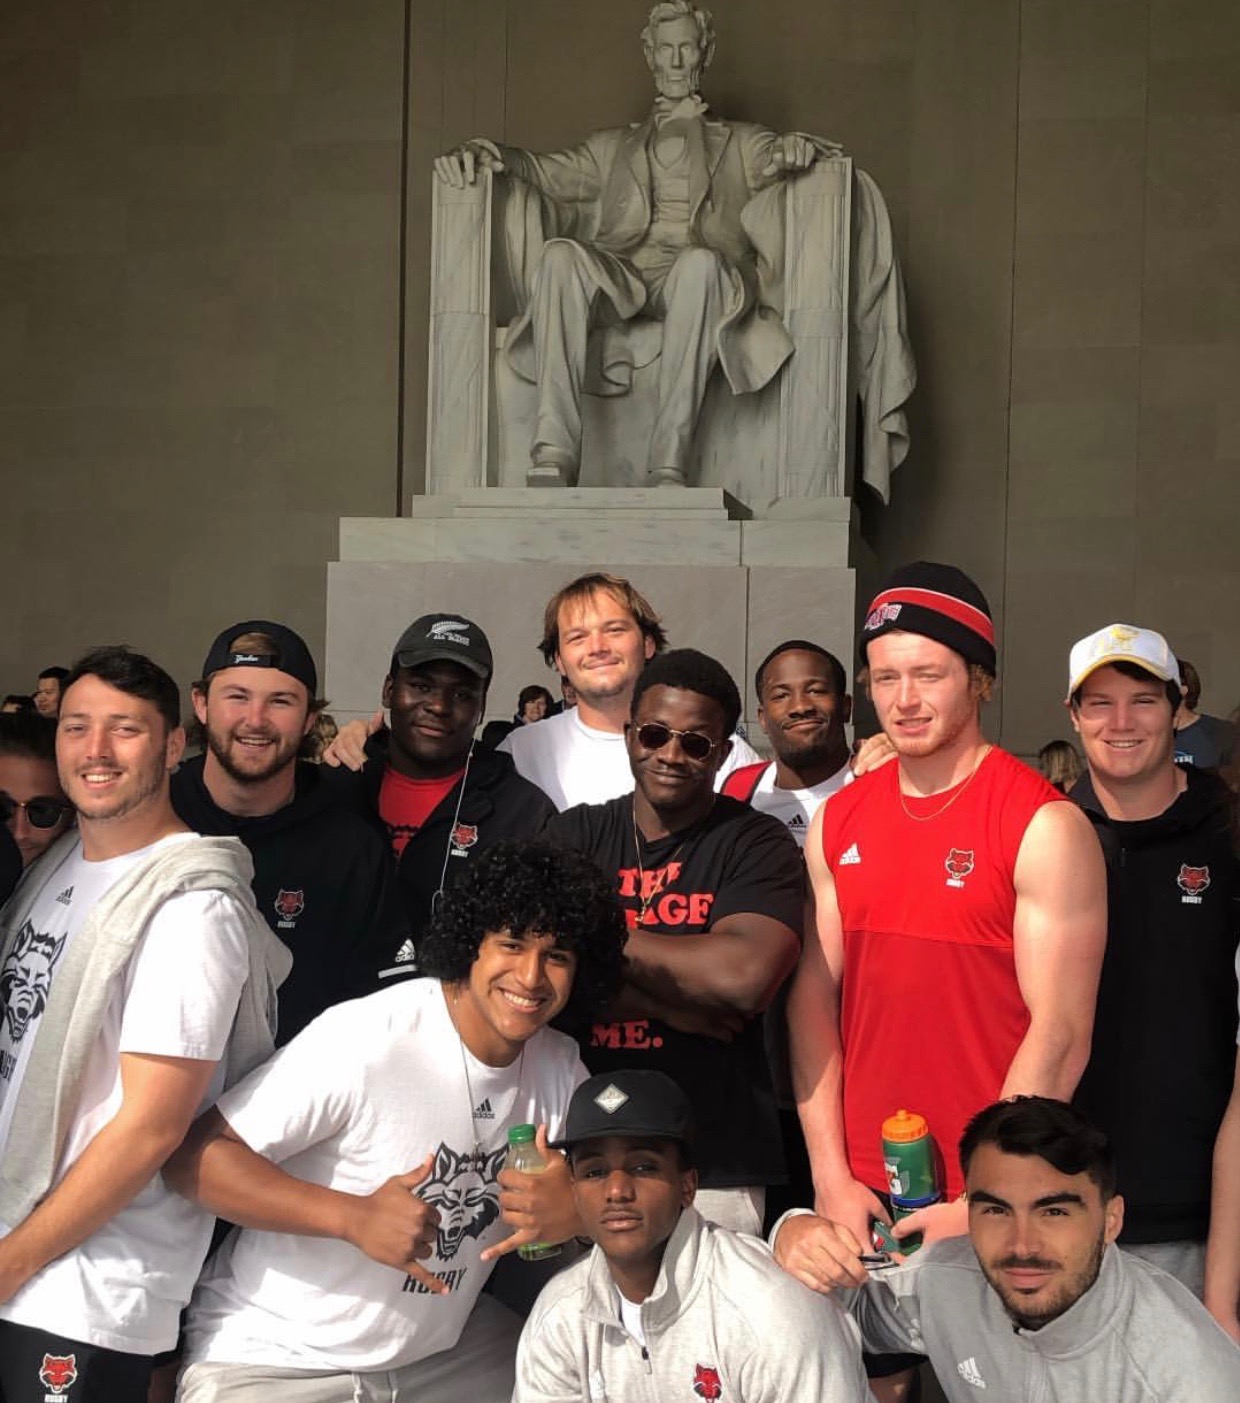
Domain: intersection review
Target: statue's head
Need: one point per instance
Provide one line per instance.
(679, 40)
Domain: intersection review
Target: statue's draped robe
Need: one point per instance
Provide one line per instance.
(599, 194)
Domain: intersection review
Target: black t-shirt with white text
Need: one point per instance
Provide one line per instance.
(735, 860)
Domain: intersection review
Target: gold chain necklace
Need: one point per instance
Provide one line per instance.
(646, 902)
(943, 808)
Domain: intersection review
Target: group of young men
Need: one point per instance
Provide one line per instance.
(978, 948)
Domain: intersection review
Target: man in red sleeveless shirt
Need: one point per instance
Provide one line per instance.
(960, 907)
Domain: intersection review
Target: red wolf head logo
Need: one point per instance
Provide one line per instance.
(58, 1371)
(706, 1382)
(290, 904)
(885, 613)
(1192, 881)
(959, 863)
(465, 835)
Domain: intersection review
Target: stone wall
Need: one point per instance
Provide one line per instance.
(205, 313)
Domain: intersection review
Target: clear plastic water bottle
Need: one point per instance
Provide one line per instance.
(523, 1154)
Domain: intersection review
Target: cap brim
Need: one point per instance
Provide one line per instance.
(1106, 661)
(627, 1133)
(443, 655)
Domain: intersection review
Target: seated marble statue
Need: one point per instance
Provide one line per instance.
(660, 227)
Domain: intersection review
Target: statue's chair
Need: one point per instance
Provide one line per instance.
(788, 440)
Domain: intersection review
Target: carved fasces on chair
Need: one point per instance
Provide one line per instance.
(461, 336)
(815, 395)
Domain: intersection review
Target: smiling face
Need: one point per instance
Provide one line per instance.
(1125, 726)
(255, 719)
(114, 751)
(1039, 1234)
(600, 647)
(671, 781)
(435, 709)
(629, 1193)
(922, 693)
(801, 711)
(676, 57)
(516, 984)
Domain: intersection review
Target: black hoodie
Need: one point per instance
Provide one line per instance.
(496, 803)
(323, 881)
(1164, 1048)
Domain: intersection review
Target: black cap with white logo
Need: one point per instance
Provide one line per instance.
(290, 652)
(642, 1104)
(444, 638)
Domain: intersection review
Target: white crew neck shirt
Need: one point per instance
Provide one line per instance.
(365, 1092)
(573, 763)
(795, 808)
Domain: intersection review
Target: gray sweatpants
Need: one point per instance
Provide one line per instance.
(478, 1368)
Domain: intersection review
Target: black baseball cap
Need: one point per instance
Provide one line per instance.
(642, 1104)
(444, 638)
(291, 654)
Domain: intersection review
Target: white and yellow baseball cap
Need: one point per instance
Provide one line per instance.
(1121, 643)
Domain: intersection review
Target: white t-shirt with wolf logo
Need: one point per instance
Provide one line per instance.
(123, 1287)
(367, 1091)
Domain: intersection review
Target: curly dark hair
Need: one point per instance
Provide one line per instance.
(692, 671)
(533, 887)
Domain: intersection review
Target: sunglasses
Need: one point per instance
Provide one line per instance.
(654, 736)
(41, 813)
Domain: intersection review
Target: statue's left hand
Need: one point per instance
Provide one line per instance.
(459, 167)
(797, 152)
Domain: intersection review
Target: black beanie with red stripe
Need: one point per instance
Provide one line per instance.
(936, 601)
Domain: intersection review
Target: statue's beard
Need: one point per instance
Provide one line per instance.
(678, 85)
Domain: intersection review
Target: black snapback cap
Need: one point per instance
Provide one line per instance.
(638, 1103)
(291, 654)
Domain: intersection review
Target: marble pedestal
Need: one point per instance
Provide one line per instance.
(722, 581)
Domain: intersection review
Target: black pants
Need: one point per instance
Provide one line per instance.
(36, 1367)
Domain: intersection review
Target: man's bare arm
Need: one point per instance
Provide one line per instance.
(159, 1096)
(738, 965)
(1058, 936)
(1222, 1292)
(818, 1054)
(392, 1225)
(632, 1003)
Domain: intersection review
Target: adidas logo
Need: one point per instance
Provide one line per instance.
(851, 857)
(406, 954)
(484, 1112)
(969, 1372)
(797, 821)
(65, 896)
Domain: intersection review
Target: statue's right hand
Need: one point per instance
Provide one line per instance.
(460, 167)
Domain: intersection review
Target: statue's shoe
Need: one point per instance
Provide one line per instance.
(551, 467)
(667, 477)
(545, 475)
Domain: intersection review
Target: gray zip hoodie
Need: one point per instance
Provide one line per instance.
(1136, 1336)
(722, 1322)
(110, 933)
